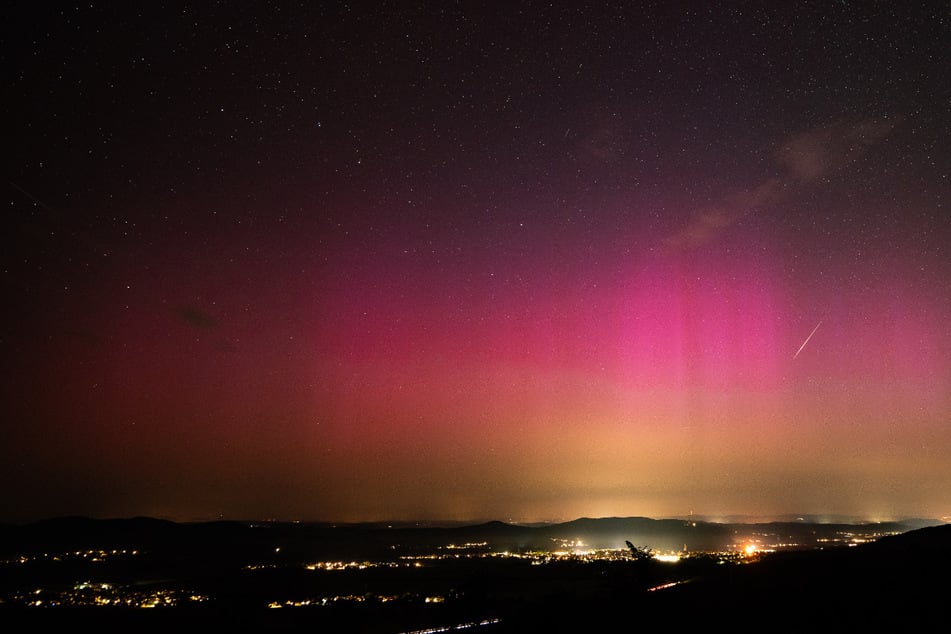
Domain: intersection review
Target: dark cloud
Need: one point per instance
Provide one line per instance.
(197, 318)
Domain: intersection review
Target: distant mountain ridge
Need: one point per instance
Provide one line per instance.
(919, 522)
(375, 538)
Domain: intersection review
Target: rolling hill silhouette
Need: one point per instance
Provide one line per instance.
(899, 581)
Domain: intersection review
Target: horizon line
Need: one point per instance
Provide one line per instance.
(811, 518)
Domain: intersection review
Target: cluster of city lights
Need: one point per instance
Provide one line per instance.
(354, 598)
(94, 555)
(101, 594)
(745, 549)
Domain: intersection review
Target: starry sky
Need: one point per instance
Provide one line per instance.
(456, 261)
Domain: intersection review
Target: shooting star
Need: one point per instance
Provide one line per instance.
(807, 339)
(30, 196)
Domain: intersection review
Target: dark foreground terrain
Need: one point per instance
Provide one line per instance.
(224, 577)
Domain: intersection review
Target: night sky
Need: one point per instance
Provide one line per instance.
(458, 261)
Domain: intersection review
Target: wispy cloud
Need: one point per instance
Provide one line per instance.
(709, 222)
(804, 158)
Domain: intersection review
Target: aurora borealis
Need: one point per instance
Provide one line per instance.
(457, 262)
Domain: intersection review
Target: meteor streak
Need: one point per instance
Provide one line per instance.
(807, 339)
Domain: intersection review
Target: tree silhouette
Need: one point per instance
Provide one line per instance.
(639, 554)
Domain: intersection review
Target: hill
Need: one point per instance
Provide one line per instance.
(898, 582)
(240, 568)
